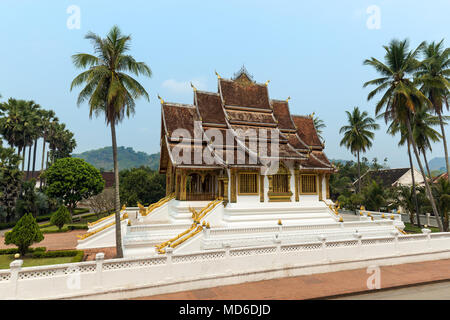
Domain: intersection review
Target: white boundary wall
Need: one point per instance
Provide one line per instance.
(134, 277)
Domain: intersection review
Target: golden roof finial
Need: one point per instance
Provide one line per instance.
(218, 76)
(288, 98)
(312, 115)
(193, 87)
(160, 99)
(267, 83)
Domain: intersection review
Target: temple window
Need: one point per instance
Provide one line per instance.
(248, 183)
(308, 183)
(280, 185)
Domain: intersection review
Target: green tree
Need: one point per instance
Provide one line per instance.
(358, 135)
(375, 196)
(26, 201)
(141, 185)
(441, 192)
(24, 234)
(72, 180)
(10, 180)
(111, 91)
(61, 217)
(400, 97)
(434, 75)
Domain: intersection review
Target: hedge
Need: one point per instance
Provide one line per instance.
(56, 253)
(15, 250)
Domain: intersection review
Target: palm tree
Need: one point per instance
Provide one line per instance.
(358, 135)
(399, 127)
(319, 124)
(110, 91)
(424, 134)
(434, 77)
(441, 192)
(400, 98)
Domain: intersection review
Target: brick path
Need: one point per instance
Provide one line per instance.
(319, 285)
(53, 241)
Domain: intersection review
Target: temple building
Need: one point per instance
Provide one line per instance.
(241, 171)
(242, 110)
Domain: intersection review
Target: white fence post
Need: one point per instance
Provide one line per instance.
(277, 242)
(395, 234)
(227, 246)
(99, 259)
(428, 233)
(358, 237)
(15, 267)
(169, 253)
(323, 239)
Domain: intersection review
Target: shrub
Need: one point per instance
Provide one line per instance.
(15, 250)
(61, 217)
(54, 254)
(24, 234)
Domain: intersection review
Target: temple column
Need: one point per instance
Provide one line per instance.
(319, 176)
(296, 177)
(225, 190)
(183, 186)
(261, 188)
(233, 185)
(327, 188)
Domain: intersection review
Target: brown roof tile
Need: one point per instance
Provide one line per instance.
(282, 114)
(306, 130)
(244, 95)
(210, 107)
(177, 117)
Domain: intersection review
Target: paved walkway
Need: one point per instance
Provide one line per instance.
(433, 291)
(320, 285)
(53, 241)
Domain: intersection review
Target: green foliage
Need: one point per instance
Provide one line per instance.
(102, 158)
(73, 180)
(61, 217)
(10, 179)
(141, 185)
(25, 233)
(55, 253)
(15, 250)
(441, 192)
(26, 202)
(375, 196)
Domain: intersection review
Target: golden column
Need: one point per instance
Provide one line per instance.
(233, 185)
(261, 188)
(296, 178)
(183, 186)
(320, 175)
(327, 180)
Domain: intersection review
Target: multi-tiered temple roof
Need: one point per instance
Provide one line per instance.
(239, 105)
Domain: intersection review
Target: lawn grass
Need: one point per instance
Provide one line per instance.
(6, 259)
(414, 229)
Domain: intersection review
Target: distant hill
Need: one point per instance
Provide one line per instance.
(128, 158)
(437, 163)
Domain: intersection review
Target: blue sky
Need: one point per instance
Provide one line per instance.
(312, 52)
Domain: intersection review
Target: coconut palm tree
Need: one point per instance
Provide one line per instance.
(319, 124)
(400, 97)
(110, 90)
(424, 134)
(358, 135)
(434, 77)
(399, 127)
(441, 192)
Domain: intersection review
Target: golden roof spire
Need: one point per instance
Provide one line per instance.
(160, 99)
(267, 83)
(218, 76)
(288, 98)
(193, 87)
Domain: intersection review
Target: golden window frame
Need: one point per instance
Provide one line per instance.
(255, 186)
(315, 183)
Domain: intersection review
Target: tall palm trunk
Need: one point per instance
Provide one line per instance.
(444, 141)
(427, 186)
(23, 158)
(43, 159)
(29, 161)
(359, 174)
(416, 203)
(426, 163)
(34, 154)
(116, 193)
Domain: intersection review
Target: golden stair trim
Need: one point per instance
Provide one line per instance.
(194, 229)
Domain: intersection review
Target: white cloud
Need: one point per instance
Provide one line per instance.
(182, 87)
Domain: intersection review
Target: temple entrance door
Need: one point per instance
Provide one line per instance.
(221, 189)
(200, 187)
